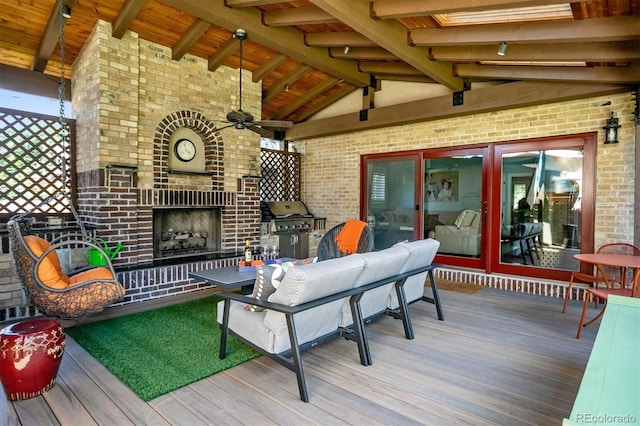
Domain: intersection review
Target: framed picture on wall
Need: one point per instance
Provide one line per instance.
(441, 185)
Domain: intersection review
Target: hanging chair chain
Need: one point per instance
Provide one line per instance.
(61, 86)
(63, 124)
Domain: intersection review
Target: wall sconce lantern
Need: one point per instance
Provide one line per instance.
(611, 130)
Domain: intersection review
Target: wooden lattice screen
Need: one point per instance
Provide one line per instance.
(31, 155)
(280, 171)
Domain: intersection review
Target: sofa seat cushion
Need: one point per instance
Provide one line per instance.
(247, 324)
(310, 325)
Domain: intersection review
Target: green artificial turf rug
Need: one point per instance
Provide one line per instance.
(158, 351)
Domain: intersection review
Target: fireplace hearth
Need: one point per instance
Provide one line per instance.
(179, 232)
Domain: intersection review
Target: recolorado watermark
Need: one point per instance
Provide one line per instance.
(606, 418)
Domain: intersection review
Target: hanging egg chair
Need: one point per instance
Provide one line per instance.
(74, 294)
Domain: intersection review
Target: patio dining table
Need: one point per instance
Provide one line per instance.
(608, 259)
(624, 261)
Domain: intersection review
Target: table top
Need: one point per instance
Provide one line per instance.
(620, 260)
(228, 277)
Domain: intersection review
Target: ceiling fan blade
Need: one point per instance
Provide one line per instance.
(275, 123)
(265, 133)
(225, 127)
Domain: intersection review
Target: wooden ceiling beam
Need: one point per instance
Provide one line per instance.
(189, 38)
(391, 36)
(388, 68)
(308, 96)
(367, 53)
(227, 49)
(548, 52)
(287, 41)
(630, 75)
(249, 3)
(268, 66)
(297, 16)
(617, 28)
(496, 98)
(325, 102)
(289, 78)
(48, 41)
(405, 78)
(337, 39)
(125, 17)
(390, 9)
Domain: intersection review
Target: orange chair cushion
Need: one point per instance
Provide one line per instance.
(49, 271)
(99, 273)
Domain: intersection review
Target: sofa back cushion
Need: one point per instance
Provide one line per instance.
(381, 264)
(315, 280)
(420, 253)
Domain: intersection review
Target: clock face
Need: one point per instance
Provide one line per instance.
(185, 150)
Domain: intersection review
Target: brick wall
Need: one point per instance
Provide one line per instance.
(335, 160)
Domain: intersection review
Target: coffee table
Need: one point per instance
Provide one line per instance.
(229, 277)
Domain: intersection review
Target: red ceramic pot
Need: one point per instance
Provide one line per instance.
(30, 355)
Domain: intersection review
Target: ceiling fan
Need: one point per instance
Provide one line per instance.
(243, 120)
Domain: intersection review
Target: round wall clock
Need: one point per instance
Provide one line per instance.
(185, 150)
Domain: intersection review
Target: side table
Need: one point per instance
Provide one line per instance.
(30, 356)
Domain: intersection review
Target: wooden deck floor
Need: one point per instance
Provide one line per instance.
(498, 358)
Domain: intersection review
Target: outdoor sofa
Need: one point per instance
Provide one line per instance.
(319, 301)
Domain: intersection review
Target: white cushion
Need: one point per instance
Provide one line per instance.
(315, 280)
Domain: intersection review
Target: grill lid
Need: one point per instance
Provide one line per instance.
(284, 209)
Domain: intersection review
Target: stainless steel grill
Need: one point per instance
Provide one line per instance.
(287, 216)
(292, 221)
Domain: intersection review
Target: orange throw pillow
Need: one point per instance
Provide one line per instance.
(49, 271)
(99, 273)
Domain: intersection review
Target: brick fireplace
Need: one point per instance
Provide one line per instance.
(127, 117)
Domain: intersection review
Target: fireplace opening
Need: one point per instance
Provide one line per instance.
(189, 231)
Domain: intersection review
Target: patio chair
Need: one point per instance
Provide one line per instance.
(604, 275)
(328, 248)
(603, 294)
(53, 292)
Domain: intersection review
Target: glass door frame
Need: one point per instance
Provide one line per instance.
(588, 143)
(485, 152)
(417, 186)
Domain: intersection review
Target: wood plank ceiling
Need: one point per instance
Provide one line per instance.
(311, 53)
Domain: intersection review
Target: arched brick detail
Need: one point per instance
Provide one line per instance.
(206, 129)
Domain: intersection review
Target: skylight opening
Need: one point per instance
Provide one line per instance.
(536, 63)
(503, 16)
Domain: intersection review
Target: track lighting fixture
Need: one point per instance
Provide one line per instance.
(503, 48)
(66, 10)
(287, 87)
(346, 50)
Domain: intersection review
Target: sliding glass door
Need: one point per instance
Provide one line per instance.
(391, 198)
(521, 207)
(545, 205)
(453, 204)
